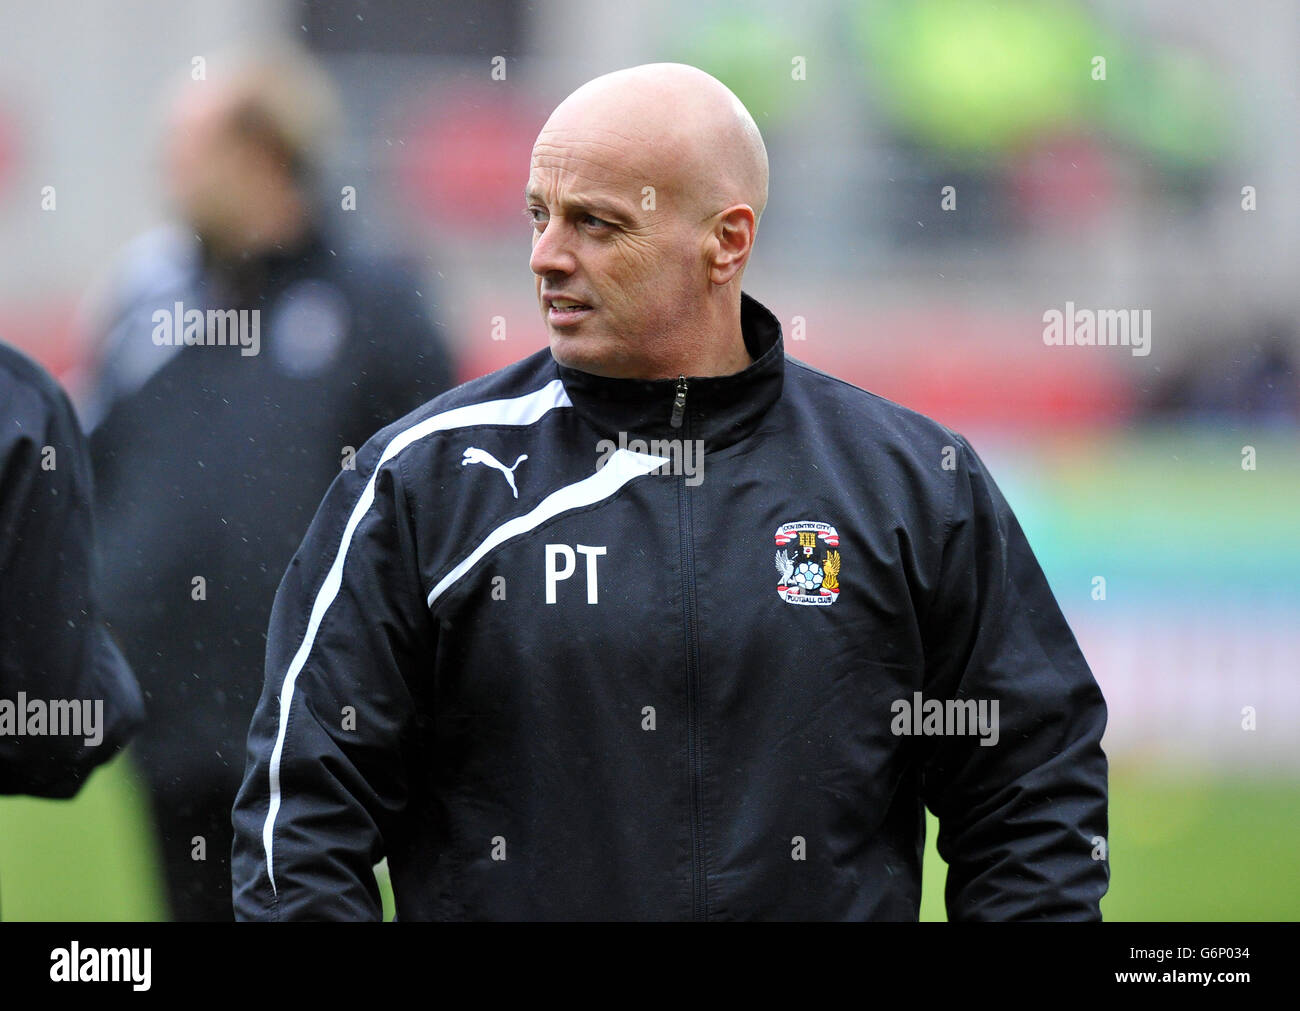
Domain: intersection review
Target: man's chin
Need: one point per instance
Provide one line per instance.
(587, 352)
(574, 350)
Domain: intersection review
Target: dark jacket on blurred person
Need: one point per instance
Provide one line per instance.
(210, 462)
(68, 700)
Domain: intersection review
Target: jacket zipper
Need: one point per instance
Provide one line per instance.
(679, 403)
(699, 909)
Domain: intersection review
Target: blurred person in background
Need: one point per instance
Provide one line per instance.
(1248, 375)
(213, 452)
(68, 700)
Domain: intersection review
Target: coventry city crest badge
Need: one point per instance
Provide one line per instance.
(812, 575)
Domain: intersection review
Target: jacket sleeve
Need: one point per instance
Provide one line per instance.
(325, 772)
(1019, 819)
(52, 645)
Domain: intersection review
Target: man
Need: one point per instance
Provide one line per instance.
(588, 692)
(211, 456)
(68, 700)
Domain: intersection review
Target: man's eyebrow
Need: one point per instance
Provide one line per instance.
(602, 208)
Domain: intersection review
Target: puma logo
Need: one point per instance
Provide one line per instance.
(473, 455)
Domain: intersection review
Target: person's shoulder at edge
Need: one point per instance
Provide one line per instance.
(889, 422)
(156, 260)
(42, 395)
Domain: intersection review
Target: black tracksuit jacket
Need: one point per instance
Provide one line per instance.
(53, 647)
(629, 693)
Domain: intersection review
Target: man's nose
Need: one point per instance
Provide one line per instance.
(551, 253)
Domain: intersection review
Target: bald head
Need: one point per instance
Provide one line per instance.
(645, 191)
(676, 124)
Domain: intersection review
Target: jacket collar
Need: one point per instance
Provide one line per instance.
(721, 410)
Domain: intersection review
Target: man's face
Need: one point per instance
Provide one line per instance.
(209, 168)
(633, 259)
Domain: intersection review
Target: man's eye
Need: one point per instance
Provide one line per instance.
(535, 215)
(591, 219)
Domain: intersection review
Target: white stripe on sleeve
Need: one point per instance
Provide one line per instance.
(525, 410)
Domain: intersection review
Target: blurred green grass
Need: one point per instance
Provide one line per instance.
(89, 858)
(1185, 845)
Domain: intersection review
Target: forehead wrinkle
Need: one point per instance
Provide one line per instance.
(570, 181)
(601, 177)
(643, 149)
(584, 192)
(565, 155)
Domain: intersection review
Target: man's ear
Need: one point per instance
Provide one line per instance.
(731, 243)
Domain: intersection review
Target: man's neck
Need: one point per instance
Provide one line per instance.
(727, 354)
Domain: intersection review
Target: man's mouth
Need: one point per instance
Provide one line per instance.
(564, 312)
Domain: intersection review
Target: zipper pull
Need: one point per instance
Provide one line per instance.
(679, 402)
